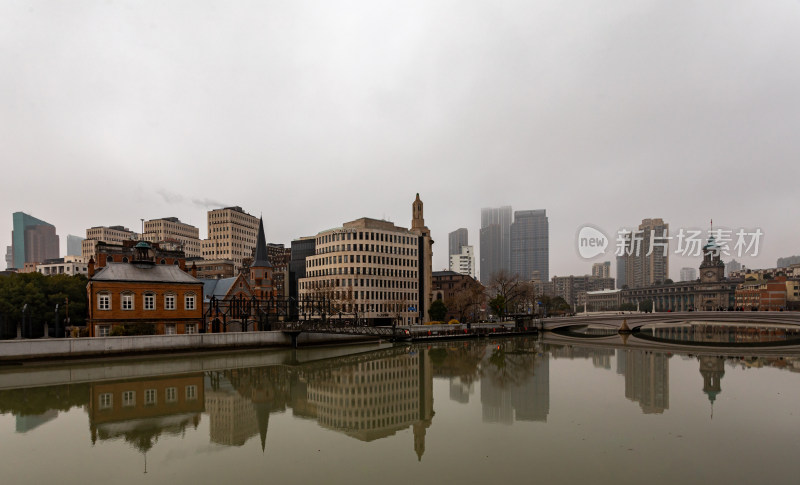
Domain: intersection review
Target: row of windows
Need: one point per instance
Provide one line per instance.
(357, 282)
(374, 248)
(106, 399)
(358, 270)
(104, 301)
(358, 258)
(351, 235)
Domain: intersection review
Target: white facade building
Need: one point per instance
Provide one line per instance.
(464, 262)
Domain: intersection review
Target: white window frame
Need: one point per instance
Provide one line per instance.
(169, 301)
(150, 397)
(149, 301)
(105, 400)
(104, 301)
(126, 301)
(103, 330)
(190, 328)
(170, 329)
(189, 302)
(191, 393)
(129, 398)
(171, 394)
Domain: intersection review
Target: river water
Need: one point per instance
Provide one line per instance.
(515, 410)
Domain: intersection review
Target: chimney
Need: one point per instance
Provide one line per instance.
(194, 270)
(90, 267)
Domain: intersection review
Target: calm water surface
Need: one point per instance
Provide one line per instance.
(514, 410)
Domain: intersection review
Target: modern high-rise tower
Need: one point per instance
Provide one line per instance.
(32, 240)
(646, 258)
(495, 240)
(530, 245)
(456, 239)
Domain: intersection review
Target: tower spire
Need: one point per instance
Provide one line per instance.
(261, 259)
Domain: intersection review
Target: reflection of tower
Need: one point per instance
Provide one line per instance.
(712, 369)
(515, 385)
(425, 401)
(647, 380)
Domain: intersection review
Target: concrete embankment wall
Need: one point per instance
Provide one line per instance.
(17, 350)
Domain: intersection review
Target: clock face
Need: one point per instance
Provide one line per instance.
(709, 274)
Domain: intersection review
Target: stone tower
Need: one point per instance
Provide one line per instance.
(425, 258)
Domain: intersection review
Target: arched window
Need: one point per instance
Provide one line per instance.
(163, 261)
(125, 259)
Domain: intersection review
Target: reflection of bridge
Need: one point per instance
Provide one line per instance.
(606, 335)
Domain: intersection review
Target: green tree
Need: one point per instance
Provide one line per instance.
(437, 311)
(498, 306)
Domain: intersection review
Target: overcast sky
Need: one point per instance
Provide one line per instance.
(316, 113)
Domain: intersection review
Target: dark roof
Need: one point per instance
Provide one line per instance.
(446, 273)
(217, 287)
(261, 260)
(157, 273)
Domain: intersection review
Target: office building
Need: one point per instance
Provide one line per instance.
(74, 245)
(731, 267)
(372, 270)
(786, 262)
(231, 235)
(300, 250)
(464, 261)
(105, 234)
(171, 233)
(602, 270)
(530, 245)
(647, 254)
(495, 241)
(32, 240)
(688, 274)
(456, 239)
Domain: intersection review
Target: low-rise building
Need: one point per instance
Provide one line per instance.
(602, 300)
(462, 294)
(68, 265)
(141, 292)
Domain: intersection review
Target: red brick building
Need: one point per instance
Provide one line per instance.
(143, 290)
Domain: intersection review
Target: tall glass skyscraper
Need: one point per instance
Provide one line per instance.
(32, 240)
(530, 245)
(495, 240)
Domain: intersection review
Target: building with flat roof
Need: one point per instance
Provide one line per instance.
(530, 244)
(232, 234)
(171, 232)
(456, 239)
(68, 265)
(104, 234)
(602, 270)
(464, 261)
(74, 245)
(32, 240)
(646, 254)
(688, 274)
(495, 241)
(372, 270)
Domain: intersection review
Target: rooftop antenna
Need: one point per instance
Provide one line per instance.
(142, 228)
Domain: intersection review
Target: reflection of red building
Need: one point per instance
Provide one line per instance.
(141, 410)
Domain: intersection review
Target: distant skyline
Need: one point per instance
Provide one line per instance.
(311, 114)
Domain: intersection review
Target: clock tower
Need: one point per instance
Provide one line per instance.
(712, 269)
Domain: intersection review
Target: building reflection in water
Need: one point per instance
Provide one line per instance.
(515, 382)
(139, 411)
(367, 396)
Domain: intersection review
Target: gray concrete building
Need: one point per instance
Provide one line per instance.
(530, 244)
(456, 239)
(495, 241)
